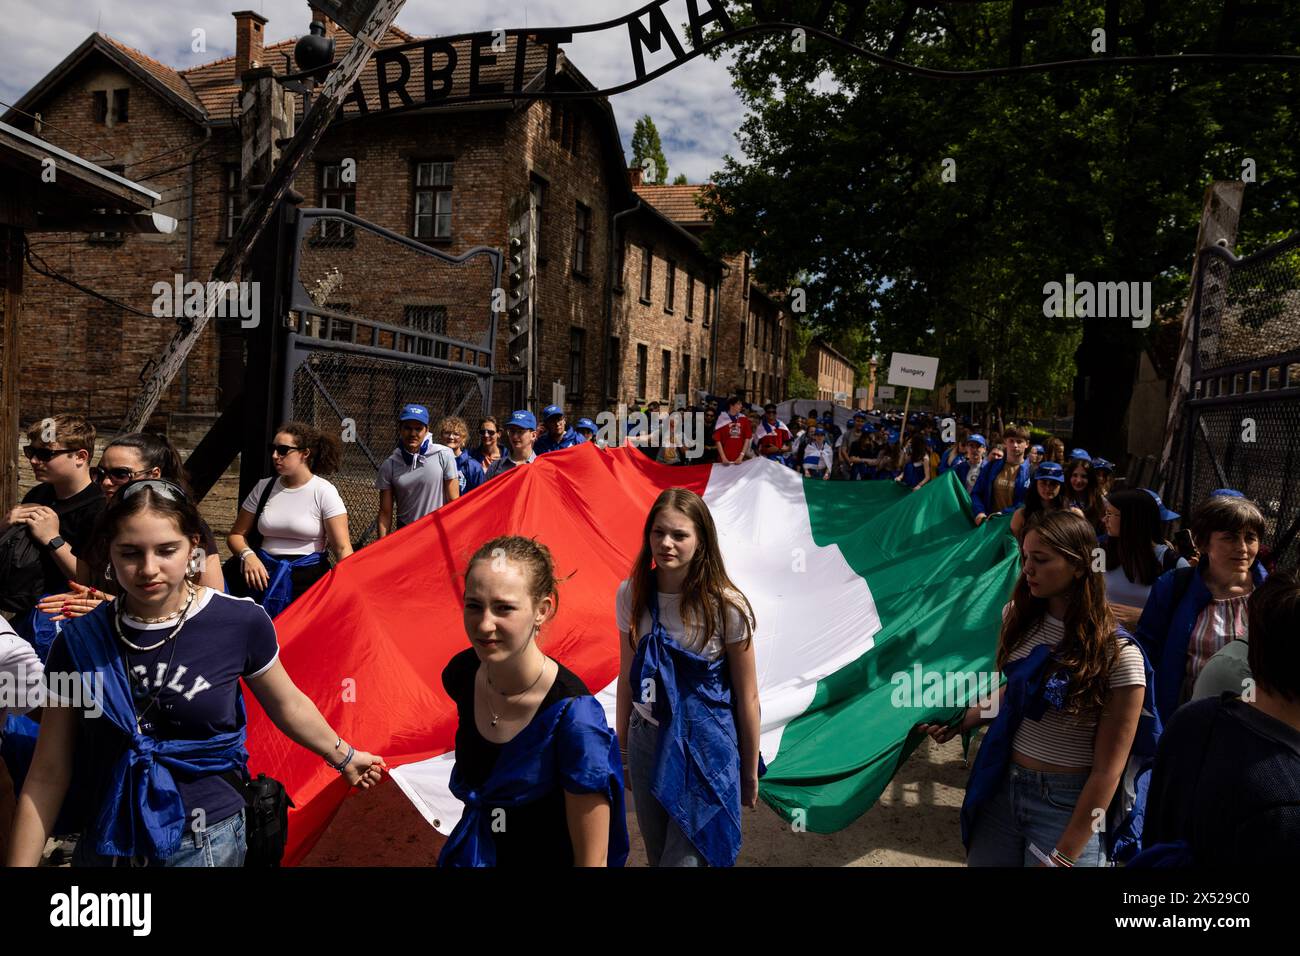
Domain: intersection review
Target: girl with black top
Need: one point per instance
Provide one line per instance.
(1084, 492)
(303, 514)
(126, 458)
(536, 763)
(164, 720)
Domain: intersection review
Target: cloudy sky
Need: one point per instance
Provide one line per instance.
(694, 107)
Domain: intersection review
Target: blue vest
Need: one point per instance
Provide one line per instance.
(1032, 687)
(141, 813)
(534, 763)
(697, 760)
(546, 443)
(913, 474)
(982, 494)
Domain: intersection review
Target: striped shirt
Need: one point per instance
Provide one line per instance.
(1221, 621)
(1066, 740)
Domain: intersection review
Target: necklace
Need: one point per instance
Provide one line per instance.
(495, 715)
(117, 623)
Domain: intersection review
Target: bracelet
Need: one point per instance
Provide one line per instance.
(342, 763)
(243, 555)
(1060, 859)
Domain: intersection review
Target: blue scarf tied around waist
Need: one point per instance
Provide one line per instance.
(697, 758)
(140, 813)
(567, 745)
(279, 589)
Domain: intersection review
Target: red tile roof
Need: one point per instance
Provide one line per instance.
(161, 72)
(678, 203)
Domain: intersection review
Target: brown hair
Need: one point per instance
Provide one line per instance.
(1273, 651)
(1054, 450)
(1089, 644)
(109, 523)
(531, 555)
(1225, 514)
(155, 451)
(707, 592)
(323, 450)
(1015, 431)
(1094, 506)
(72, 430)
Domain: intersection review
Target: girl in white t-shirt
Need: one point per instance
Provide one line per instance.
(303, 514)
(687, 687)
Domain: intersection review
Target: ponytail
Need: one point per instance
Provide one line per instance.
(324, 448)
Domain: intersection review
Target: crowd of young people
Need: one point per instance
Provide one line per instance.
(1122, 655)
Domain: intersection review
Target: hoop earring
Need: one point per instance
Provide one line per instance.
(108, 571)
(195, 566)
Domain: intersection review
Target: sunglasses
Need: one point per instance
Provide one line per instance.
(282, 450)
(487, 432)
(160, 486)
(46, 454)
(118, 475)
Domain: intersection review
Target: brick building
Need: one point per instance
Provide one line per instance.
(831, 370)
(627, 304)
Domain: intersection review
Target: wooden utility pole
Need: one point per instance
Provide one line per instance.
(380, 15)
(1219, 217)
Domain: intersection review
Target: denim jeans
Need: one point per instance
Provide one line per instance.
(665, 843)
(1029, 807)
(221, 844)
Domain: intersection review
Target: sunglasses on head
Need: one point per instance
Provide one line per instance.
(160, 486)
(282, 450)
(118, 475)
(46, 454)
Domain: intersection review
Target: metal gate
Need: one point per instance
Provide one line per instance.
(1242, 424)
(380, 320)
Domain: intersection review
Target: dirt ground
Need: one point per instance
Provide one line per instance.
(915, 823)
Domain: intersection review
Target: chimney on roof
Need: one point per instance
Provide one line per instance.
(248, 41)
(634, 176)
(331, 28)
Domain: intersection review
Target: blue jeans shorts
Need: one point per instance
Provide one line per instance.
(1029, 807)
(221, 844)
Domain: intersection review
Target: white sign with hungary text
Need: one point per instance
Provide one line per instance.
(973, 390)
(913, 371)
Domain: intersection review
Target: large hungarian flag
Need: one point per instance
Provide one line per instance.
(868, 599)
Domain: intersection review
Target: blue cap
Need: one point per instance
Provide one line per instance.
(522, 418)
(1226, 493)
(1101, 464)
(1165, 513)
(826, 418)
(1081, 455)
(1037, 448)
(413, 413)
(819, 430)
(979, 440)
(550, 411)
(586, 423)
(1050, 471)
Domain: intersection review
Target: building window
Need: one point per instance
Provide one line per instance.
(670, 286)
(433, 200)
(666, 379)
(564, 127)
(613, 366)
(690, 297)
(234, 203)
(577, 362)
(99, 106)
(708, 302)
(109, 236)
(642, 358)
(336, 193)
(121, 99)
(537, 188)
(426, 320)
(581, 239)
(647, 272)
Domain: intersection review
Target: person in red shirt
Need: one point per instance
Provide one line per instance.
(771, 437)
(733, 432)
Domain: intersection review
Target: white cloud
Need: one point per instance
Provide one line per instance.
(694, 107)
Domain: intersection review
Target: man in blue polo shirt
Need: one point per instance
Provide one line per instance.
(557, 434)
(521, 435)
(1002, 483)
(420, 475)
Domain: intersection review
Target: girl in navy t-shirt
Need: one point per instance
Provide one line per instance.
(155, 675)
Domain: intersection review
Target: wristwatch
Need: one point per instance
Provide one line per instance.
(55, 543)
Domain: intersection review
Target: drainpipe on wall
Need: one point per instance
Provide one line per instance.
(609, 290)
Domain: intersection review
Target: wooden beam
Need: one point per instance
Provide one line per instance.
(144, 223)
(323, 109)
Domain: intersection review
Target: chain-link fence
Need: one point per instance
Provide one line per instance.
(382, 320)
(1242, 425)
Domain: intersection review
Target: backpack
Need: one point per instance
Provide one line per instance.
(22, 578)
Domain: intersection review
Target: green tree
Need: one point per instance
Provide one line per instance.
(681, 180)
(648, 152)
(928, 215)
